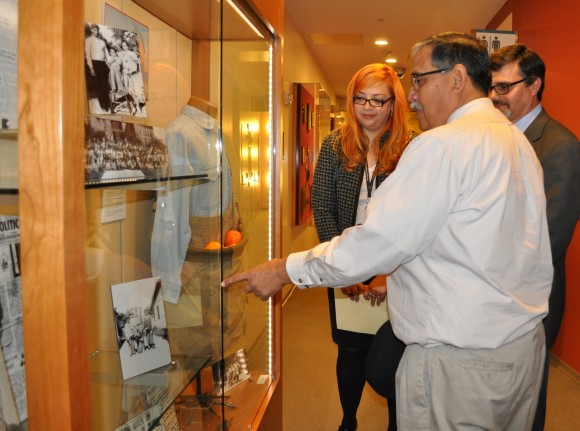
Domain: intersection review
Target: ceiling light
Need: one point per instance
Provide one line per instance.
(381, 42)
(391, 60)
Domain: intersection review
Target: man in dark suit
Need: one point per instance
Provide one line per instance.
(516, 90)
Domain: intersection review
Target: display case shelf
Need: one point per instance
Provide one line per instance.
(142, 183)
(156, 390)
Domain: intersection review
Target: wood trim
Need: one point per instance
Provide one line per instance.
(269, 414)
(567, 369)
(269, 411)
(51, 178)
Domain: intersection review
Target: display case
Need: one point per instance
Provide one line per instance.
(146, 144)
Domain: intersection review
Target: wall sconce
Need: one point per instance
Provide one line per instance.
(250, 154)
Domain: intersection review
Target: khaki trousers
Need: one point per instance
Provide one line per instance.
(446, 388)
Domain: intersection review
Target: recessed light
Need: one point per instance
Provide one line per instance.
(391, 60)
(381, 42)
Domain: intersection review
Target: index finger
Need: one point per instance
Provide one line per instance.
(240, 276)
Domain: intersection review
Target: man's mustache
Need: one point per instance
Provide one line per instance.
(415, 106)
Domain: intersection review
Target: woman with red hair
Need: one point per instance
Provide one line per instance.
(353, 161)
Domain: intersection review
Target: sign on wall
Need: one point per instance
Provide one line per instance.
(495, 39)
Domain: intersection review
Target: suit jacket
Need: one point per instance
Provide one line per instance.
(559, 153)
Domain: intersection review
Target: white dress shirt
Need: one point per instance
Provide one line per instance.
(461, 227)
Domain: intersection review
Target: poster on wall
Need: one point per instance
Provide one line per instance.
(113, 70)
(9, 64)
(117, 19)
(495, 39)
(116, 150)
(140, 325)
(304, 172)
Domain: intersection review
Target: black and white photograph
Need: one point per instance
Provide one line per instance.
(235, 368)
(117, 19)
(117, 150)
(140, 326)
(113, 70)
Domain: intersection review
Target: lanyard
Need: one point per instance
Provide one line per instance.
(370, 181)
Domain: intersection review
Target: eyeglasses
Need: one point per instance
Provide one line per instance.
(416, 83)
(504, 88)
(375, 103)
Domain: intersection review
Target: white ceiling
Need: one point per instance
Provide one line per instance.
(352, 26)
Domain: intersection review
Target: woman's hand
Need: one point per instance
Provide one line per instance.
(354, 291)
(377, 291)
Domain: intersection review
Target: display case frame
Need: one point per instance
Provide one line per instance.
(51, 194)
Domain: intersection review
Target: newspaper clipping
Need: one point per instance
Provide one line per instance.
(11, 335)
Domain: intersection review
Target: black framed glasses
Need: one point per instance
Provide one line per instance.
(504, 87)
(416, 82)
(375, 103)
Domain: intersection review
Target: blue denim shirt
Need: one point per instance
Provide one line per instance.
(195, 148)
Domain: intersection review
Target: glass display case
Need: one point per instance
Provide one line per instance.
(162, 187)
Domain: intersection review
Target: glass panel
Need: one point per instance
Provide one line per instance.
(247, 134)
(8, 100)
(12, 370)
(177, 196)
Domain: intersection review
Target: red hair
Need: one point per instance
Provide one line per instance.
(353, 138)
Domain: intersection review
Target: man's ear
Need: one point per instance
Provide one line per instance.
(459, 74)
(535, 86)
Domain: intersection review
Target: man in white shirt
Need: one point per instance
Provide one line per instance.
(461, 228)
(97, 56)
(518, 79)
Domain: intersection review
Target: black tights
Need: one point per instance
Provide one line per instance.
(350, 374)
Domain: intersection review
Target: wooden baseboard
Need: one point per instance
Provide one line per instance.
(567, 369)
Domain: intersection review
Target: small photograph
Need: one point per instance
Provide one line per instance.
(113, 70)
(235, 368)
(117, 150)
(140, 326)
(117, 19)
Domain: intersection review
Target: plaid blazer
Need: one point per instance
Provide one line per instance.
(335, 191)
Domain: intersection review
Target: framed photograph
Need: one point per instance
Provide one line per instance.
(140, 326)
(116, 151)
(114, 71)
(304, 155)
(117, 19)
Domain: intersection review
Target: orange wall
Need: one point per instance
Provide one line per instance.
(551, 29)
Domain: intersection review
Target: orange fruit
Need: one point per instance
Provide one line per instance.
(232, 237)
(212, 245)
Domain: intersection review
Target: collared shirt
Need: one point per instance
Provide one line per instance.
(524, 122)
(195, 148)
(461, 227)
